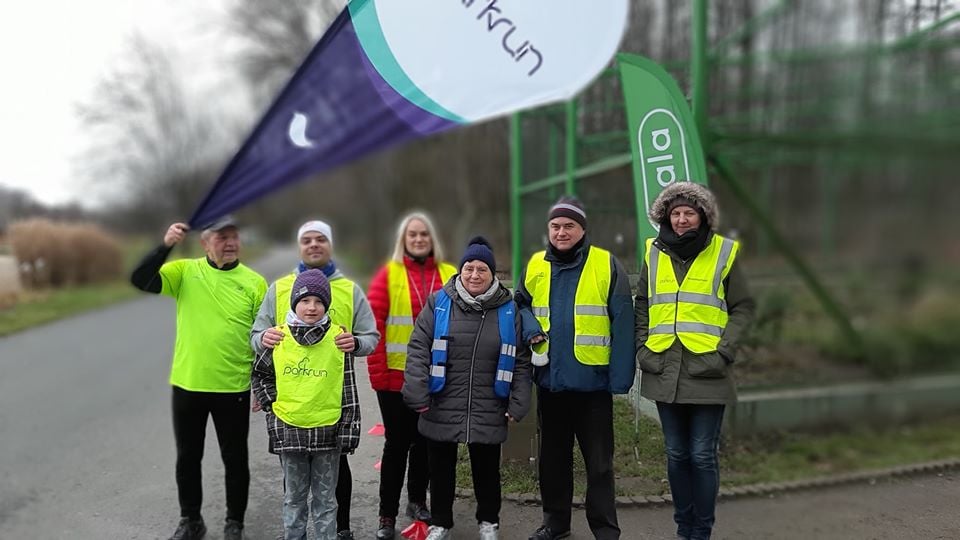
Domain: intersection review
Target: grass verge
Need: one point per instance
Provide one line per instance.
(35, 307)
(640, 464)
(38, 307)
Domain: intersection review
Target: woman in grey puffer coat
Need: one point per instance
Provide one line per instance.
(467, 408)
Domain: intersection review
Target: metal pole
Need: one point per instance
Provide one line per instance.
(699, 71)
(516, 180)
(571, 109)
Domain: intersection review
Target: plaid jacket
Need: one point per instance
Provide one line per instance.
(344, 435)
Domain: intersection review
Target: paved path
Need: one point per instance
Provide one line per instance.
(87, 452)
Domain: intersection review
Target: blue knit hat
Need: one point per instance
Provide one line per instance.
(479, 249)
(312, 282)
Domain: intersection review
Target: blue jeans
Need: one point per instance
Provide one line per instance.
(303, 473)
(692, 433)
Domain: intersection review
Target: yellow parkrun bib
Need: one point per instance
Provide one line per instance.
(591, 320)
(309, 381)
(400, 318)
(696, 310)
(341, 301)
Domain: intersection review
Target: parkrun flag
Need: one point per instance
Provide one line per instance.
(664, 140)
(388, 71)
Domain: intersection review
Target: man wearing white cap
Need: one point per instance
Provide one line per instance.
(349, 308)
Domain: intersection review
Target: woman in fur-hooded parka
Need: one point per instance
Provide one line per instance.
(691, 389)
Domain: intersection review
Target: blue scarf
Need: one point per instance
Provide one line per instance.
(327, 270)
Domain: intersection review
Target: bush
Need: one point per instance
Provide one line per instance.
(9, 281)
(52, 254)
(920, 336)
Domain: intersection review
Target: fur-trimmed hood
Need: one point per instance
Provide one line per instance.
(695, 193)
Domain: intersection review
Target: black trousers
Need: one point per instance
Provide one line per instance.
(231, 418)
(485, 466)
(588, 417)
(344, 494)
(400, 440)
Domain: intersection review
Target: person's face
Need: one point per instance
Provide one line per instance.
(310, 309)
(416, 239)
(315, 249)
(476, 277)
(223, 246)
(683, 219)
(564, 233)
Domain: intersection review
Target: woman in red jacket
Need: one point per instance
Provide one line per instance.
(397, 293)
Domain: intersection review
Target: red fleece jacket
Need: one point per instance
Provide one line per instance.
(423, 279)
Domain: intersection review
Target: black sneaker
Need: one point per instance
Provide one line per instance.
(233, 530)
(345, 534)
(388, 529)
(418, 511)
(189, 529)
(546, 533)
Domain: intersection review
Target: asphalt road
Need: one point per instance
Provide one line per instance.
(87, 452)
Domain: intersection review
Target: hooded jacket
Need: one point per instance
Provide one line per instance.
(364, 326)
(678, 375)
(467, 410)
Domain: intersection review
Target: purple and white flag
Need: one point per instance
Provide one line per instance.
(388, 71)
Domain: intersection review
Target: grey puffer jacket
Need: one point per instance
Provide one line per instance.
(467, 409)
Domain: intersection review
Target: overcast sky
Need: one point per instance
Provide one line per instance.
(52, 53)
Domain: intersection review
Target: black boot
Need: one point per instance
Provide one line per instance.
(546, 533)
(189, 529)
(418, 511)
(387, 529)
(233, 530)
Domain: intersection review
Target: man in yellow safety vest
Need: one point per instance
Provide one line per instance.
(574, 300)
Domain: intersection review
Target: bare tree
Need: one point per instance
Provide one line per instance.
(153, 144)
(276, 38)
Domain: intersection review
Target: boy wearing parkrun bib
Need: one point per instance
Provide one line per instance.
(307, 388)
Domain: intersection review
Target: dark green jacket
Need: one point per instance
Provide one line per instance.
(677, 375)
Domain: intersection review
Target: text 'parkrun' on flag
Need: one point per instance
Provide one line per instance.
(389, 71)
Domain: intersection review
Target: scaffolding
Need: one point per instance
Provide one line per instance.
(826, 109)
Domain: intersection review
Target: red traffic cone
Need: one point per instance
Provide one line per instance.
(416, 531)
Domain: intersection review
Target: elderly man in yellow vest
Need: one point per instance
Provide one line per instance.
(574, 299)
(349, 308)
(217, 298)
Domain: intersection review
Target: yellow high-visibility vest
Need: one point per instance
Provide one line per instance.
(591, 320)
(341, 301)
(309, 381)
(696, 310)
(400, 318)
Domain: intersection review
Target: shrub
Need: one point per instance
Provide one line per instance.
(9, 281)
(52, 254)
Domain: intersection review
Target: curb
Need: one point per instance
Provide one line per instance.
(754, 490)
